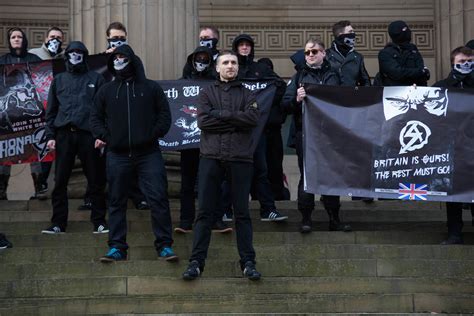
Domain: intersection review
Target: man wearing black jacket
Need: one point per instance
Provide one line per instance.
(202, 67)
(400, 62)
(68, 132)
(316, 70)
(128, 116)
(244, 46)
(461, 76)
(227, 115)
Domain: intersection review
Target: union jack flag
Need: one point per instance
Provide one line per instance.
(412, 191)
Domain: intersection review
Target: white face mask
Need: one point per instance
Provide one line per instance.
(54, 46)
(120, 63)
(117, 42)
(200, 66)
(465, 68)
(75, 58)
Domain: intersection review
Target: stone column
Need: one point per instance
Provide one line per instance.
(161, 32)
(454, 20)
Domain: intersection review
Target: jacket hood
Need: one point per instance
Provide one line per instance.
(24, 43)
(76, 45)
(136, 62)
(200, 49)
(236, 42)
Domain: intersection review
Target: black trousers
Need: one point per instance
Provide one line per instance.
(454, 217)
(306, 200)
(211, 175)
(189, 172)
(68, 145)
(151, 172)
(274, 155)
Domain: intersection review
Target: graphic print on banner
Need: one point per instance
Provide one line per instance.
(23, 100)
(415, 110)
(391, 142)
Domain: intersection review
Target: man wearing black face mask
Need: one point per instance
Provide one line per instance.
(202, 63)
(129, 115)
(461, 76)
(18, 44)
(400, 62)
(343, 57)
(51, 48)
(69, 133)
(208, 37)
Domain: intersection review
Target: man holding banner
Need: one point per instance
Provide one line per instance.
(227, 116)
(461, 76)
(317, 70)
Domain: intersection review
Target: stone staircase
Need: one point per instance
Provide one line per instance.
(391, 263)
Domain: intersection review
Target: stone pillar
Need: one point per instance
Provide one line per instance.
(454, 22)
(161, 32)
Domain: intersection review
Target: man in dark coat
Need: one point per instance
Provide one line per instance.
(400, 62)
(202, 67)
(316, 70)
(18, 45)
(68, 132)
(461, 76)
(128, 116)
(227, 115)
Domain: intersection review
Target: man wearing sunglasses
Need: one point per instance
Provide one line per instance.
(316, 70)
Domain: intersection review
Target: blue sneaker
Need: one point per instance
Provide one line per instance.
(114, 254)
(168, 254)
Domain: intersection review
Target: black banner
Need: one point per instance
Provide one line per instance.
(183, 99)
(393, 142)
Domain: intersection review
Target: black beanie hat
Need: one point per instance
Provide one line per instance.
(395, 30)
(470, 44)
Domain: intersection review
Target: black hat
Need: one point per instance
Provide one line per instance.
(470, 44)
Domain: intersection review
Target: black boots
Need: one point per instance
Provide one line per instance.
(306, 223)
(41, 188)
(335, 223)
(3, 186)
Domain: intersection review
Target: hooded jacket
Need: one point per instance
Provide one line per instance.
(23, 57)
(189, 70)
(457, 81)
(227, 115)
(321, 76)
(248, 68)
(402, 65)
(71, 96)
(351, 68)
(130, 114)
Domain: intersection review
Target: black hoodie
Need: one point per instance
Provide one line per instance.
(189, 70)
(12, 57)
(130, 114)
(71, 96)
(248, 68)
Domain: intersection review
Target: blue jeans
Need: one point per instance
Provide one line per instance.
(152, 180)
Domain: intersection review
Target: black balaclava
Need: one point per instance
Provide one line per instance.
(24, 43)
(123, 68)
(399, 32)
(345, 43)
(54, 46)
(461, 71)
(76, 57)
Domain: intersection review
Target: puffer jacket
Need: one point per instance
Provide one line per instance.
(351, 68)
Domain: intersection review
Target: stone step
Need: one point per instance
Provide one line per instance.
(25, 255)
(254, 303)
(79, 234)
(224, 267)
(162, 286)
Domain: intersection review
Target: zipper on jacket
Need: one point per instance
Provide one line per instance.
(129, 125)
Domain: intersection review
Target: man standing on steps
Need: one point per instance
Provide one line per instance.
(461, 76)
(316, 70)
(51, 49)
(129, 114)
(68, 132)
(227, 115)
(347, 62)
